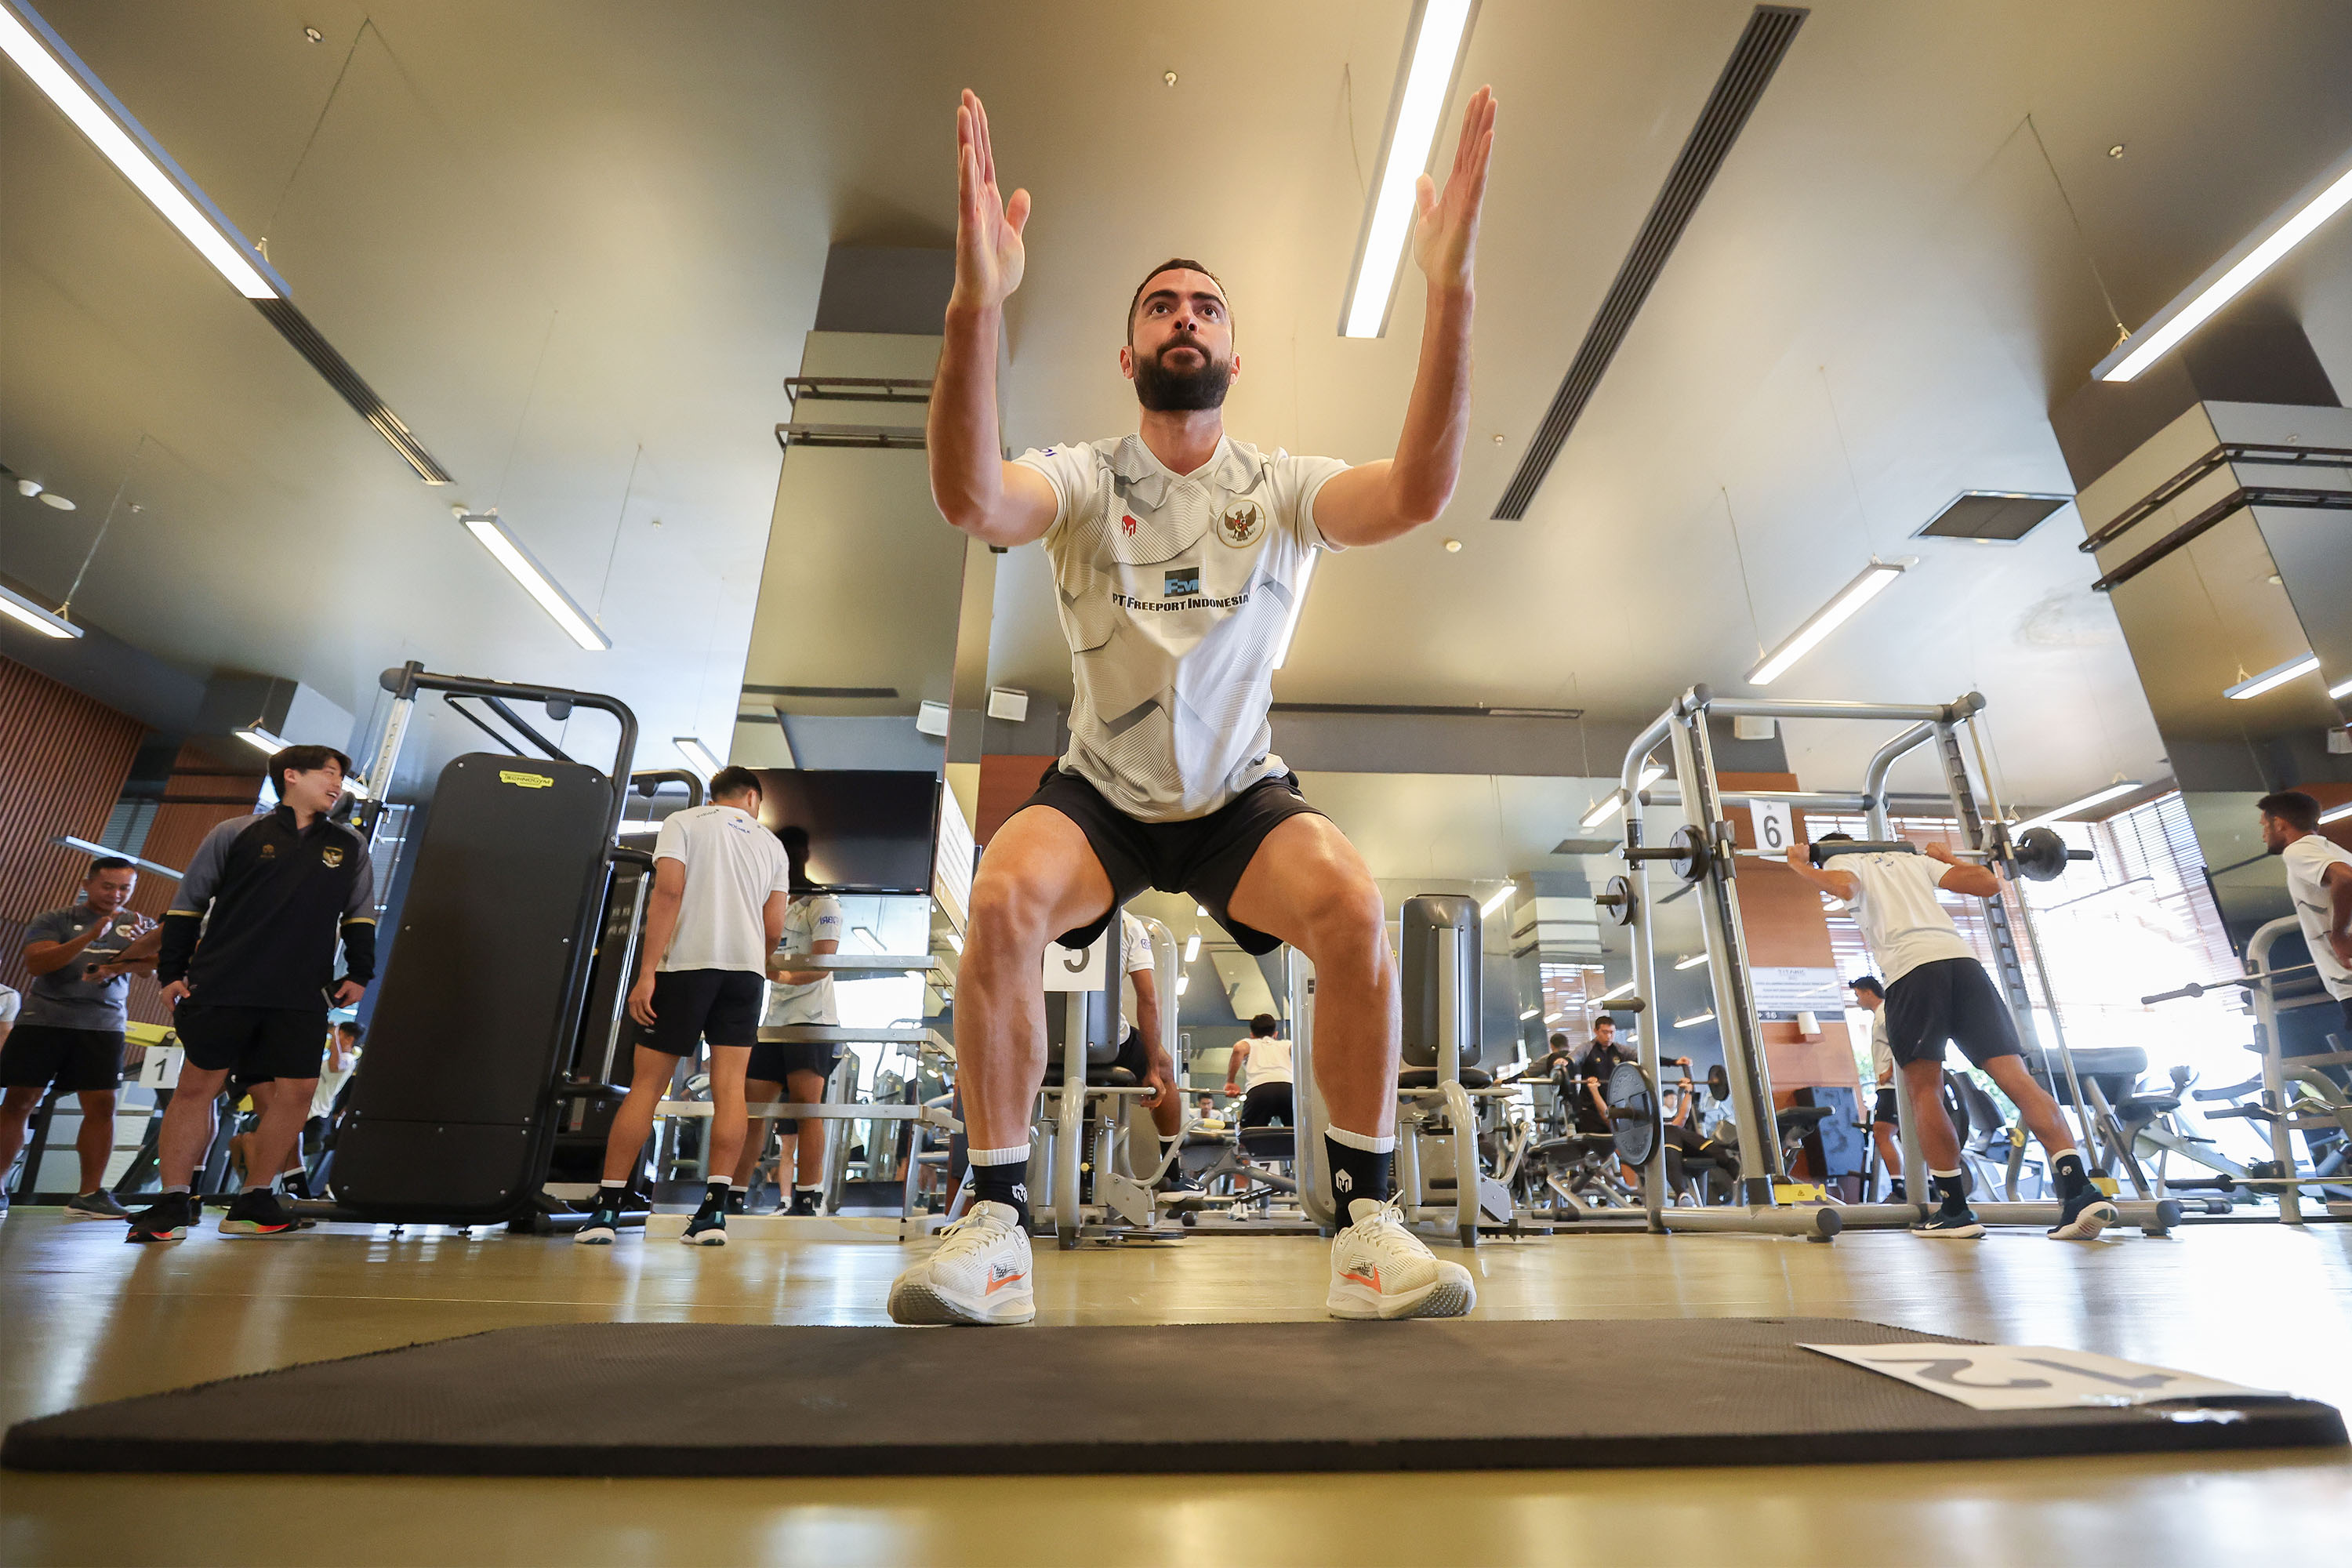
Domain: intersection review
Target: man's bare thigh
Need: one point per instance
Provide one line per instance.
(1041, 857)
(1303, 863)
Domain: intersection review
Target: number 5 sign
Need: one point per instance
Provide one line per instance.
(1774, 830)
(2027, 1377)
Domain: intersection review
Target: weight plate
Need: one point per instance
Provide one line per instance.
(1690, 858)
(1632, 1113)
(2041, 855)
(1617, 900)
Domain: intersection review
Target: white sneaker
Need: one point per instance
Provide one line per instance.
(1381, 1270)
(981, 1274)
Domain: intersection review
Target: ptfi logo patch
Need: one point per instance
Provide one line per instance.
(1179, 581)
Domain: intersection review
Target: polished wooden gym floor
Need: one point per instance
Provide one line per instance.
(86, 1317)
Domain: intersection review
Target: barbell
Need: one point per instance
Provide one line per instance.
(2041, 855)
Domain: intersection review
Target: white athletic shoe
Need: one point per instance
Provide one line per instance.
(1381, 1270)
(981, 1274)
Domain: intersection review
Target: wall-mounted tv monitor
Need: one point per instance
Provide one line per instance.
(869, 831)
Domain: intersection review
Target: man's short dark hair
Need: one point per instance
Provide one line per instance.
(2294, 807)
(109, 863)
(303, 760)
(1263, 1025)
(1606, 1021)
(1870, 982)
(1174, 264)
(353, 1029)
(1560, 1042)
(735, 781)
(1834, 838)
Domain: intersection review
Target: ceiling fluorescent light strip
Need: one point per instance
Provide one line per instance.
(35, 615)
(1693, 961)
(697, 754)
(99, 115)
(1486, 910)
(1704, 1017)
(2223, 281)
(1770, 30)
(1610, 804)
(524, 567)
(1624, 990)
(261, 739)
(1434, 37)
(78, 94)
(108, 851)
(1872, 580)
(2096, 797)
(2336, 814)
(2273, 678)
(2341, 690)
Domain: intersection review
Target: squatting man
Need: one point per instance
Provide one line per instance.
(1178, 555)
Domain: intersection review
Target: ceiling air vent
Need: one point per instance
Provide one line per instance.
(1770, 30)
(1991, 517)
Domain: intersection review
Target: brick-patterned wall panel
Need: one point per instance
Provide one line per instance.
(63, 762)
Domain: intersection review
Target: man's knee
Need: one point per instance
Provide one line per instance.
(1013, 906)
(1343, 920)
(97, 1102)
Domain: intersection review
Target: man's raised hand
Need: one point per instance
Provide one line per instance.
(1445, 238)
(989, 255)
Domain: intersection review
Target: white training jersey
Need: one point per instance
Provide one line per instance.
(1135, 956)
(813, 917)
(1881, 1048)
(1268, 1062)
(1174, 591)
(732, 864)
(2307, 859)
(1894, 904)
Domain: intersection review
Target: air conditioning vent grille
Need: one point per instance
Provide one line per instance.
(2000, 517)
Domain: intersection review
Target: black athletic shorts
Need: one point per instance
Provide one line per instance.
(1205, 856)
(1269, 1104)
(78, 1061)
(1886, 1110)
(253, 1042)
(1951, 999)
(772, 1059)
(691, 1006)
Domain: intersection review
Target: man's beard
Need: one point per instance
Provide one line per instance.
(1165, 391)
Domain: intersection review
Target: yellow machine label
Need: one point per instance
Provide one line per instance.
(2105, 1184)
(1798, 1193)
(522, 780)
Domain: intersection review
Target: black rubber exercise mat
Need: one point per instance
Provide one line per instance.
(706, 1399)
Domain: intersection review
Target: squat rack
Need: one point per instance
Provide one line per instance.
(1705, 852)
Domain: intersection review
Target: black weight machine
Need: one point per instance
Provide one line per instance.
(497, 1031)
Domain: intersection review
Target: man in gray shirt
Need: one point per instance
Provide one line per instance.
(69, 1031)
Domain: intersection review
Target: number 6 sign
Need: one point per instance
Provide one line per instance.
(1775, 831)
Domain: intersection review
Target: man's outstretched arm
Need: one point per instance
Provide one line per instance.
(974, 488)
(1378, 501)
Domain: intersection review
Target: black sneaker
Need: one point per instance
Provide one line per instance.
(165, 1219)
(706, 1228)
(1179, 1191)
(804, 1203)
(260, 1213)
(1959, 1224)
(2087, 1214)
(603, 1223)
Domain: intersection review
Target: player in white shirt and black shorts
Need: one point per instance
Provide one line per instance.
(2319, 880)
(792, 1070)
(1938, 991)
(721, 885)
(1180, 557)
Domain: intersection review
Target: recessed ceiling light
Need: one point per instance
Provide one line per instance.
(51, 498)
(1454, 547)
(2117, 151)
(313, 35)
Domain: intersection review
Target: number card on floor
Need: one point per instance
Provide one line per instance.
(2029, 1377)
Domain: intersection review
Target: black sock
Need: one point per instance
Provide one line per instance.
(1952, 1189)
(714, 1197)
(613, 1196)
(1357, 1173)
(2072, 1177)
(1006, 1184)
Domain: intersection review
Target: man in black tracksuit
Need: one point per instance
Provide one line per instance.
(248, 966)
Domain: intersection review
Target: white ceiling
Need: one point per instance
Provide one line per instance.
(568, 240)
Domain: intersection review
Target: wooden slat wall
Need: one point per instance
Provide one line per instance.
(200, 796)
(64, 759)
